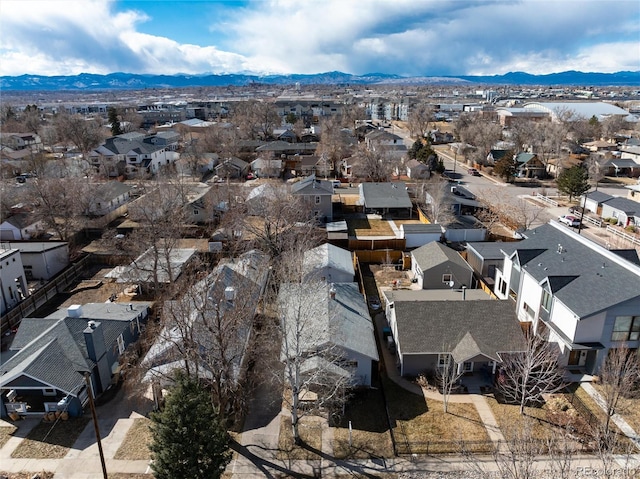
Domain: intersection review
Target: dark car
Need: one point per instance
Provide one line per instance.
(579, 210)
(473, 172)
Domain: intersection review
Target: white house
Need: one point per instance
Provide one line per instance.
(41, 260)
(585, 297)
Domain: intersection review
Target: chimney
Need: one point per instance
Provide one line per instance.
(94, 339)
(332, 291)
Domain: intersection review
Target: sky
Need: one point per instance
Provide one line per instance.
(403, 37)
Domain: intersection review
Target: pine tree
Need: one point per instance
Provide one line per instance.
(188, 438)
(573, 181)
(116, 129)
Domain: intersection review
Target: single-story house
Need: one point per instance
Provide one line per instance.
(48, 359)
(432, 327)
(267, 167)
(21, 226)
(437, 266)
(417, 170)
(231, 168)
(329, 263)
(594, 200)
(319, 317)
(108, 196)
(385, 198)
(626, 211)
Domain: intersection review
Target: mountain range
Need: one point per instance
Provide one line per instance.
(120, 81)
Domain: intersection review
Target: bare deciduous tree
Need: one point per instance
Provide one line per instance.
(84, 133)
(373, 165)
(619, 378)
(420, 117)
(524, 377)
(436, 199)
(314, 372)
(447, 376)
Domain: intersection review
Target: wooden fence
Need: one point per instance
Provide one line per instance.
(40, 297)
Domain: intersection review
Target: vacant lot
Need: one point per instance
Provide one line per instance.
(50, 440)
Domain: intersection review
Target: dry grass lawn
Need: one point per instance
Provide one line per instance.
(310, 430)
(369, 227)
(6, 433)
(29, 475)
(50, 440)
(431, 428)
(628, 408)
(370, 437)
(135, 444)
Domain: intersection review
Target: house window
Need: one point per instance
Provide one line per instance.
(530, 312)
(626, 328)
(546, 300)
(503, 287)
(467, 366)
(48, 392)
(318, 200)
(443, 360)
(196, 212)
(120, 344)
(447, 278)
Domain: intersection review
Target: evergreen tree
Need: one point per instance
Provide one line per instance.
(440, 168)
(188, 438)
(116, 129)
(505, 167)
(573, 181)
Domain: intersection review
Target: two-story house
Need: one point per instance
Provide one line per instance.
(577, 294)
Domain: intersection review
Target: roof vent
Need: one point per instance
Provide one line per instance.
(230, 293)
(560, 248)
(91, 324)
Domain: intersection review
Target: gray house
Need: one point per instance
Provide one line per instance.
(45, 367)
(329, 263)
(318, 317)
(432, 326)
(386, 199)
(487, 256)
(626, 211)
(437, 266)
(317, 194)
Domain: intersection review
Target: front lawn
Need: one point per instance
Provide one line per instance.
(50, 440)
(422, 430)
(135, 445)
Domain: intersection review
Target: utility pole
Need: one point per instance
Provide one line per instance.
(95, 424)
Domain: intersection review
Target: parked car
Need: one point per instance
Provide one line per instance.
(569, 220)
(473, 172)
(374, 303)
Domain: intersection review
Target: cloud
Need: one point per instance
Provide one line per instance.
(431, 37)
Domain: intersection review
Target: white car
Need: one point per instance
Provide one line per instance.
(569, 220)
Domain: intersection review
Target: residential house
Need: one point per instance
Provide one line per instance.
(319, 316)
(108, 197)
(485, 257)
(464, 228)
(230, 295)
(317, 194)
(13, 282)
(529, 166)
(626, 211)
(574, 292)
(261, 198)
(436, 266)
(232, 168)
(131, 153)
(386, 199)
(41, 260)
(21, 141)
(417, 170)
(329, 263)
(431, 328)
(267, 167)
(49, 357)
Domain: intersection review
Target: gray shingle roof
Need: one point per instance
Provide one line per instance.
(343, 321)
(434, 253)
(312, 186)
(53, 349)
(421, 228)
(629, 207)
(464, 328)
(600, 278)
(598, 196)
(491, 249)
(385, 195)
(329, 256)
